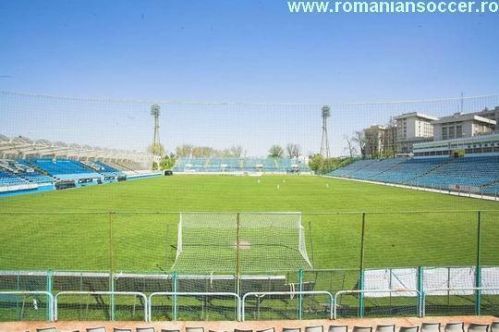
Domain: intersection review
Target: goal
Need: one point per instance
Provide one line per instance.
(240, 242)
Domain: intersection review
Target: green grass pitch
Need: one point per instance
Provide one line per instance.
(71, 230)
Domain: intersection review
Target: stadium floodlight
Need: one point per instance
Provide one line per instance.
(241, 242)
(156, 145)
(326, 113)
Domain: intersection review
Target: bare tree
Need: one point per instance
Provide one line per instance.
(203, 152)
(156, 149)
(184, 150)
(360, 138)
(350, 146)
(293, 150)
(236, 151)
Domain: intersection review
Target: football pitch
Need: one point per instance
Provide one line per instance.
(132, 226)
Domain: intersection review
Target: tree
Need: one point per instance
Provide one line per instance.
(202, 152)
(276, 151)
(236, 151)
(350, 146)
(184, 150)
(360, 138)
(315, 162)
(167, 162)
(293, 150)
(156, 149)
(321, 165)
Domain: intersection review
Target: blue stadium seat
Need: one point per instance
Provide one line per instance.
(63, 168)
(479, 173)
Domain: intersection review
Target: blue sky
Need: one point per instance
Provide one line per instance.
(247, 51)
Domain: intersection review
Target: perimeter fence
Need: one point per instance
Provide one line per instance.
(118, 266)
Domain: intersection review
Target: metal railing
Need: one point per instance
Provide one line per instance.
(476, 292)
(240, 307)
(290, 293)
(175, 294)
(111, 294)
(419, 296)
(50, 305)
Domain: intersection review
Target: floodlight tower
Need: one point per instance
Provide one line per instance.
(156, 145)
(326, 113)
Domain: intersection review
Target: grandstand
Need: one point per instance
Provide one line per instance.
(241, 165)
(28, 166)
(468, 174)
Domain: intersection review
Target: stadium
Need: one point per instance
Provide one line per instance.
(233, 220)
(249, 166)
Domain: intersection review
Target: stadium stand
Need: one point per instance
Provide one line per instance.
(352, 168)
(64, 169)
(27, 172)
(111, 174)
(231, 164)
(250, 165)
(410, 170)
(7, 179)
(468, 174)
(227, 165)
(41, 174)
(377, 168)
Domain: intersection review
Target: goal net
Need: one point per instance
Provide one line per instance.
(240, 242)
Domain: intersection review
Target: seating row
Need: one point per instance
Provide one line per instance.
(480, 173)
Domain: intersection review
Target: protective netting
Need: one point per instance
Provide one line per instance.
(238, 242)
(255, 127)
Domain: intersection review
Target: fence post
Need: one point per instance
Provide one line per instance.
(18, 311)
(49, 289)
(300, 296)
(174, 285)
(361, 268)
(310, 237)
(111, 268)
(478, 282)
(238, 254)
(420, 289)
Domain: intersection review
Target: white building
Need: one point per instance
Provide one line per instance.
(485, 145)
(413, 128)
(492, 114)
(462, 125)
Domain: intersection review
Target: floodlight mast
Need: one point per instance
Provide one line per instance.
(156, 145)
(326, 113)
